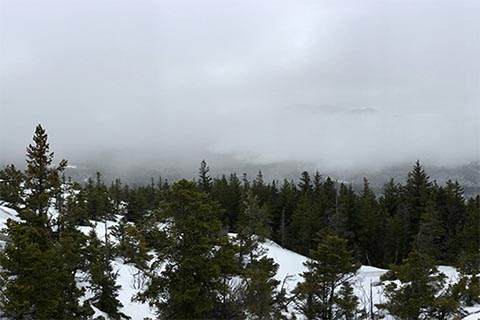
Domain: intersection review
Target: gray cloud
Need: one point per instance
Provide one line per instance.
(337, 84)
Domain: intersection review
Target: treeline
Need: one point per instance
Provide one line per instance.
(417, 215)
(177, 236)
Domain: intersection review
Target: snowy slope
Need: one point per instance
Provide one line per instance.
(5, 214)
(290, 268)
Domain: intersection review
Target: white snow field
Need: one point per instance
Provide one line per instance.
(366, 283)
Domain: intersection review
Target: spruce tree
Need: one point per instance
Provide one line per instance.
(395, 236)
(467, 289)
(416, 193)
(431, 235)
(261, 299)
(195, 265)
(205, 181)
(326, 293)
(469, 233)
(286, 203)
(102, 278)
(420, 294)
(132, 246)
(371, 227)
(253, 226)
(229, 194)
(11, 189)
(305, 184)
(98, 203)
(451, 208)
(304, 224)
(39, 262)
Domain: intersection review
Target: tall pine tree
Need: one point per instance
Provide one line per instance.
(38, 263)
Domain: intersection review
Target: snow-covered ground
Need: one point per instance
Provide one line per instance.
(290, 268)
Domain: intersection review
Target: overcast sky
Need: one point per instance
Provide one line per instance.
(340, 84)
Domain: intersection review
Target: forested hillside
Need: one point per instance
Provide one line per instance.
(199, 246)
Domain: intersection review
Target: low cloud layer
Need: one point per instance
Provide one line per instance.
(335, 84)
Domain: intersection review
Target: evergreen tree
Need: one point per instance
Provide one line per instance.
(395, 236)
(452, 214)
(467, 289)
(98, 203)
(417, 192)
(253, 226)
(283, 209)
(261, 300)
(189, 287)
(137, 206)
(261, 190)
(306, 220)
(38, 264)
(418, 295)
(229, 194)
(102, 279)
(327, 202)
(469, 234)
(131, 245)
(116, 193)
(371, 227)
(205, 181)
(326, 292)
(305, 184)
(431, 234)
(11, 189)
(345, 222)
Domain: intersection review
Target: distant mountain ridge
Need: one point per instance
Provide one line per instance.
(467, 175)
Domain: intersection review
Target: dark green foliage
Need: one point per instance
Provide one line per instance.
(116, 194)
(41, 178)
(137, 205)
(190, 285)
(262, 190)
(208, 276)
(253, 226)
(38, 264)
(396, 240)
(345, 222)
(417, 192)
(328, 201)
(259, 296)
(261, 299)
(416, 297)
(306, 220)
(204, 179)
(97, 200)
(469, 233)
(283, 208)
(132, 245)
(102, 279)
(330, 269)
(229, 194)
(467, 290)
(75, 211)
(347, 303)
(305, 184)
(11, 190)
(371, 224)
(37, 277)
(451, 208)
(431, 234)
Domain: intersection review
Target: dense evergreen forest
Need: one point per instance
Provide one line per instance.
(197, 244)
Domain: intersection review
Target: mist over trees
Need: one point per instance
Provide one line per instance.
(196, 243)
